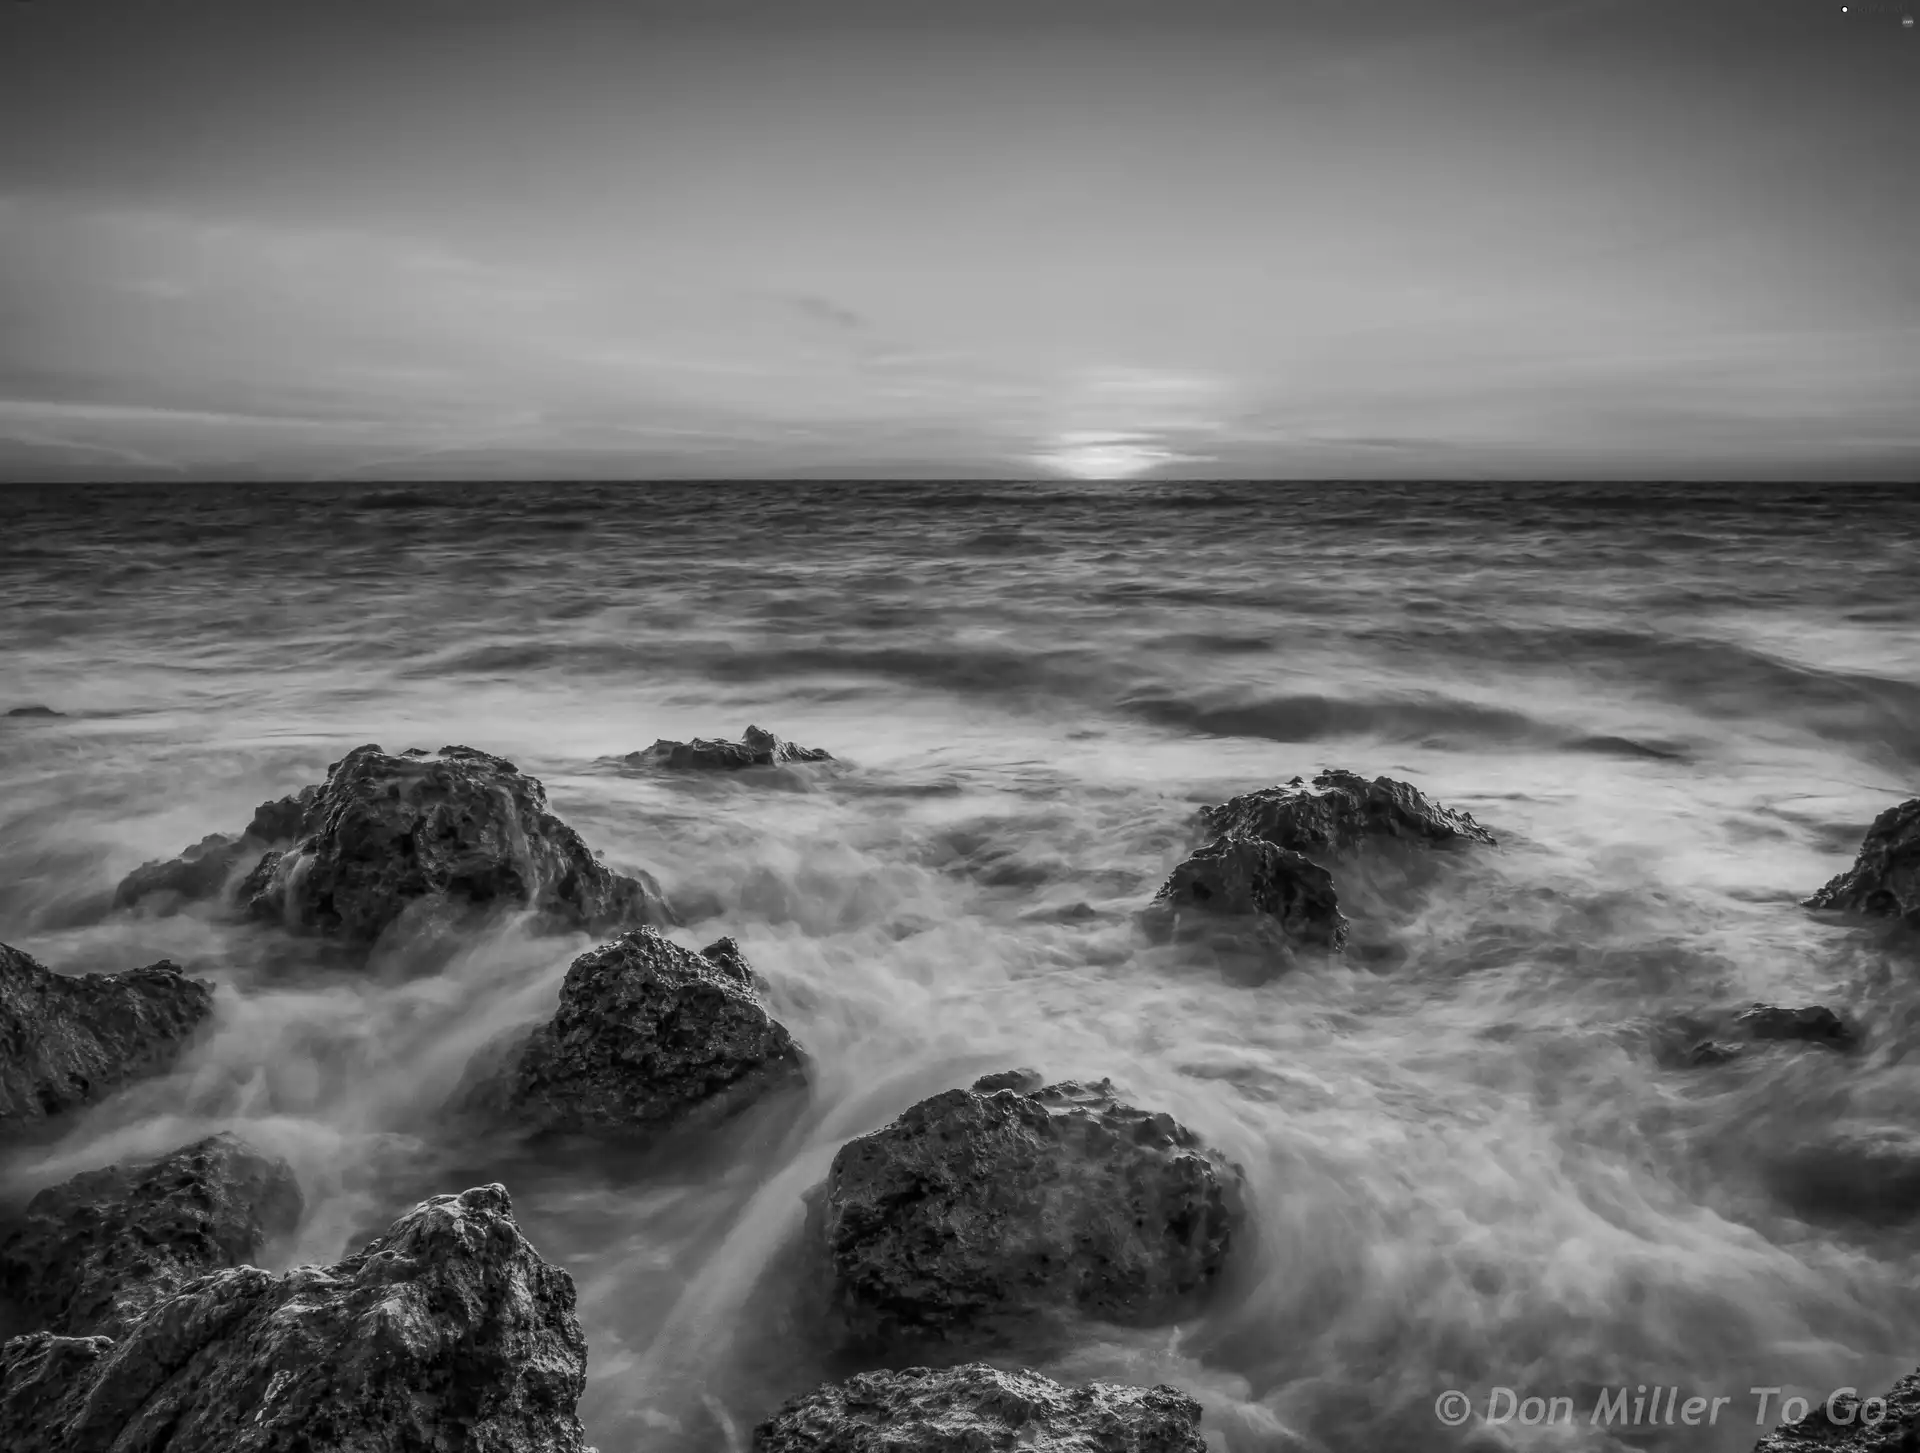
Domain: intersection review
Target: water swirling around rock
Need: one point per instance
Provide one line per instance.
(1465, 1162)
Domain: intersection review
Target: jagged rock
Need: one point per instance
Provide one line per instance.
(1884, 880)
(981, 1409)
(66, 1041)
(1814, 1024)
(649, 1036)
(1240, 876)
(97, 1252)
(756, 748)
(1004, 1207)
(449, 1332)
(1895, 1430)
(1692, 1042)
(1339, 812)
(458, 828)
(203, 870)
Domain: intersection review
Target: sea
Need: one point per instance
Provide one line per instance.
(1475, 1187)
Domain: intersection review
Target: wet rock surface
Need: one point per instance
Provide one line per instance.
(756, 748)
(94, 1254)
(1340, 811)
(1692, 1041)
(458, 829)
(981, 1409)
(69, 1040)
(1242, 877)
(449, 1332)
(996, 1210)
(203, 870)
(649, 1036)
(1898, 1431)
(1884, 881)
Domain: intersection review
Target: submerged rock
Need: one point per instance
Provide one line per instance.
(449, 1332)
(649, 1036)
(1239, 876)
(203, 870)
(981, 1409)
(66, 1041)
(756, 748)
(1896, 1429)
(1884, 880)
(458, 828)
(97, 1252)
(1853, 1171)
(1339, 812)
(1693, 1042)
(35, 711)
(988, 1211)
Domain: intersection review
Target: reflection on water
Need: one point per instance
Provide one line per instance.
(1677, 708)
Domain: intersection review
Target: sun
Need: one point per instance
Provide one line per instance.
(1103, 457)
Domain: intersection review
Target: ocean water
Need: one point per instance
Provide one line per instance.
(1678, 707)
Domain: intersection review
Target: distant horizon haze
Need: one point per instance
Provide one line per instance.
(479, 239)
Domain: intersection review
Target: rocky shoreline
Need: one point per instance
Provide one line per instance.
(970, 1225)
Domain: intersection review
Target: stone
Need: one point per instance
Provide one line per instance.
(69, 1040)
(1240, 877)
(1339, 812)
(1814, 1024)
(1896, 1431)
(449, 1332)
(1690, 1042)
(1884, 881)
(97, 1252)
(459, 829)
(649, 1036)
(980, 1409)
(1005, 1208)
(204, 870)
(756, 748)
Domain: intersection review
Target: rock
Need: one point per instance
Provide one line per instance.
(1005, 1207)
(1815, 1024)
(66, 1041)
(1854, 1171)
(447, 1333)
(1238, 876)
(99, 1251)
(458, 828)
(204, 869)
(1341, 811)
(1884, 880)
(649, 1036)
(1690, 1042)
(35, 711)
(1896, 1430)
(756, 748)
(981, 1409)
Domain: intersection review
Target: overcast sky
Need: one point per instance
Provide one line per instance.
(480, 238)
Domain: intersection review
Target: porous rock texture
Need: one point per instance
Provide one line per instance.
(1884, 881)
(1896, 1430)
(95, 1253)
(756, 748)
(458, 827)
(1238, 876)
(998, 1209)
(649, 1036)
(204, 869)
(447, 1335)
(980, 1409)
(1341, 811)
(68, 1040)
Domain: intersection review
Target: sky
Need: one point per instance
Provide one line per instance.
(425, 239)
